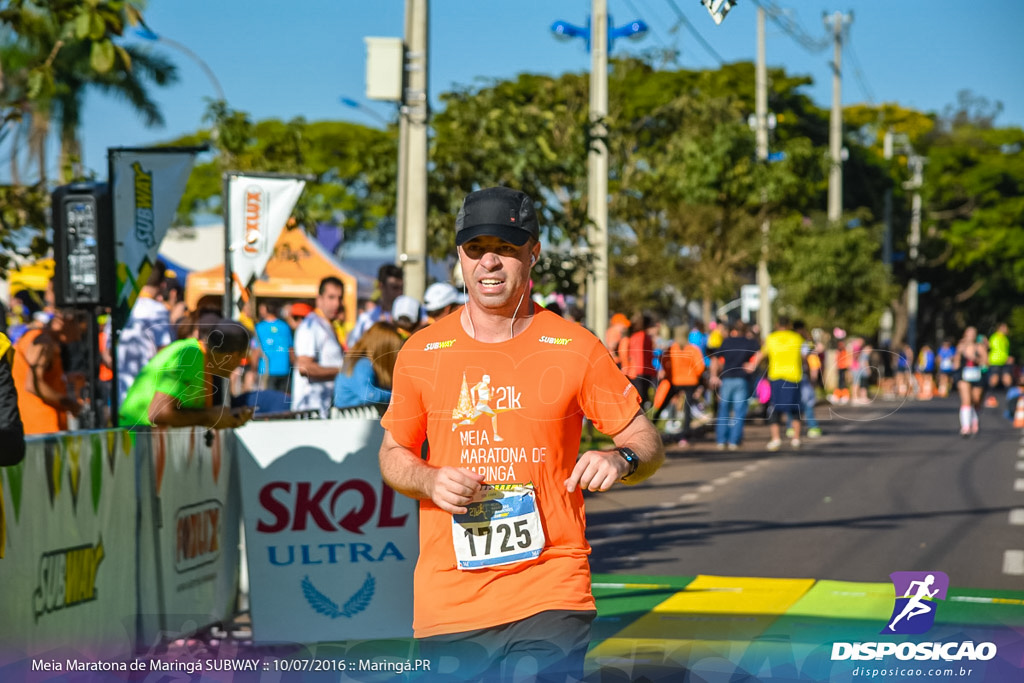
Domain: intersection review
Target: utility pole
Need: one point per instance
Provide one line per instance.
(886, 323)
(835, 127)
(764, 282)
(917, 165)
(597, 172)
(402, 179)
(887, 148)
(412, 180)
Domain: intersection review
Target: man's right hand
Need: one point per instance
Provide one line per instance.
(72, 405)
(455, 487)
(231, 419)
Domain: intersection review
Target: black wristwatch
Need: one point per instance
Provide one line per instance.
(630, 457)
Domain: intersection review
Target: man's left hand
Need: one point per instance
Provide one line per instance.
(597, 471)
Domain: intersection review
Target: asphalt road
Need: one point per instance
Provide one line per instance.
(889, 487)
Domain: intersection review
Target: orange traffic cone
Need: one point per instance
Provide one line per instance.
(1018, 415)
(926, 391)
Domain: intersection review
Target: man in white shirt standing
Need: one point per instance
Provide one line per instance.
(147, 330)
(318, 355)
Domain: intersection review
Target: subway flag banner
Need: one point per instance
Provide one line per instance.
(259, 208)
(146, 187)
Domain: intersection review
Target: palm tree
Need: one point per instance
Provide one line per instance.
(45, 76)
(74, 78)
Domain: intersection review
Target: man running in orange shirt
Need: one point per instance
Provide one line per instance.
(682, 365)
(503, 581)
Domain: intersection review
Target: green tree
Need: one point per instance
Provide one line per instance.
(689, 196)
(973, 248)
(830, 274)
(51, 51)
(56, 50)
(354, 165)
(529, 133)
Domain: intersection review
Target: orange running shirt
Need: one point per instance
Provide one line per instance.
(38, 416)
(535, 390)
(684, 365)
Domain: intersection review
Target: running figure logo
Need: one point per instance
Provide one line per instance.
(476, 401)
(916, 593)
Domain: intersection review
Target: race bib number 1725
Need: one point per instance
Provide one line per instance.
(503, 528)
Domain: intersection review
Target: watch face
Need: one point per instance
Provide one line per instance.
(631, 458)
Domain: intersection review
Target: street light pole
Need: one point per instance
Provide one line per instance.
(355, 104)
(599, 35)
(597, 172)
(917, 166)
(147, 33)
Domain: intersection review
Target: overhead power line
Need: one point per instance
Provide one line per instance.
(858, 73)
(657, 35)
(781, 18)
(686, 22)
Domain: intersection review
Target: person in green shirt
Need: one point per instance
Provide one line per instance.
(175, 389)
(1000, 365)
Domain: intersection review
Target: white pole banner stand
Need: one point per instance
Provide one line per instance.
(330, 549)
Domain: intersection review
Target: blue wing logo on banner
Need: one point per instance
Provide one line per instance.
(359, 601)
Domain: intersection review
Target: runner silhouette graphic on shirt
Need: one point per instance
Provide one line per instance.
(916, 604)
(481, 393)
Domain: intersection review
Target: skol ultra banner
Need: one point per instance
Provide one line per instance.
(190, 561)
(68, 567)
(259, 208)
(331, 549)
(146, 187)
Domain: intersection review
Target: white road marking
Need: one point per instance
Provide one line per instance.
(1017, 516)
(1013, 562)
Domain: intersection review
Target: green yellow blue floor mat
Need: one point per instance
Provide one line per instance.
(735, 629)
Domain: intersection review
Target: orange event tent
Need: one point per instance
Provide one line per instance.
(294, 271)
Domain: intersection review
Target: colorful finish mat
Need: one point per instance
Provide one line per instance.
(715, 628)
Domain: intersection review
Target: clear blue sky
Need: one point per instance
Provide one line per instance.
(282, 59)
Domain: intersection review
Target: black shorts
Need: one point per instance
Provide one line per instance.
(785, 399)
(548, 646)
(979, 382)
(1000, 371)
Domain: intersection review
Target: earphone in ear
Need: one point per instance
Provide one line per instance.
(533, 259)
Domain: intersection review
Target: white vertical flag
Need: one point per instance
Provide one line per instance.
(259, 208)
(146, 187)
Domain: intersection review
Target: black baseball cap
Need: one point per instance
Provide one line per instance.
(499, 212)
